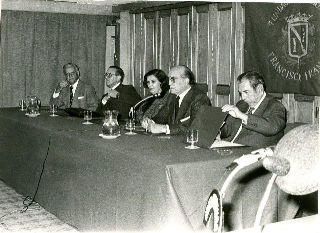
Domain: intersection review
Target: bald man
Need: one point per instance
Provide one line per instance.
(185, 106)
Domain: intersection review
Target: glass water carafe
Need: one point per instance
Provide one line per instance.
(33, 105)
(110, 125)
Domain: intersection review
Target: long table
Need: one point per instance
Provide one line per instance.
(131, 183)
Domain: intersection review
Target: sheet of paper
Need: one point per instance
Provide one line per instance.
(221, 143)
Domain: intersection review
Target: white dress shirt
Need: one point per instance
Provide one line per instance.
(182, 95)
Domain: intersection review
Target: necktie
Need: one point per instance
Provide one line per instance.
(176, 106)
(250, 109)
(71, 95)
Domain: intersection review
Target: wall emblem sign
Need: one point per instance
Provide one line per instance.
(283, 43)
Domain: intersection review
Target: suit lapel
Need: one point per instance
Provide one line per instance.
(185, 105)
(261, 109)
(78, 92)
(118, 88)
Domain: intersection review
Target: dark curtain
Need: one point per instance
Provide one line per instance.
(35, 46)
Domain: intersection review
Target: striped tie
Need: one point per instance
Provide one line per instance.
(71, 96)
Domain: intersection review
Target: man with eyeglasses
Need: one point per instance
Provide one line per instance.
(185, 106)
(72, 92)
(118, 96)
(257, 119)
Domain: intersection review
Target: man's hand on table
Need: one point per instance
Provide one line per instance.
(157, 128)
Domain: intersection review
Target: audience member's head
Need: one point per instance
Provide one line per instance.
(156, 81)
(71, 72)
(251, 87)
(113, 76)
(180, 79)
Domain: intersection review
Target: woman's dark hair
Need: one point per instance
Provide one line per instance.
(161, 76)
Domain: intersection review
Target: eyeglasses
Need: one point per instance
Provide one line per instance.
(70, 74)
(107, 75)
(174, 79)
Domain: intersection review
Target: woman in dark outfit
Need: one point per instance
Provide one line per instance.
(155, 108)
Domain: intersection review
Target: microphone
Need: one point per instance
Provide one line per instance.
(251, 158)
(132, 109)
(277, 165)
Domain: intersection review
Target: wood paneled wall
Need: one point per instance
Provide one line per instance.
(201, 37)
(208, 38)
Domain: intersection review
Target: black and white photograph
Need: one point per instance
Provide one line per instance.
(159, 116)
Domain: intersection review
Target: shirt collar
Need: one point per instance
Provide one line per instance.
(115, 86)
(260, 101)
(74, 86)
(182, 95)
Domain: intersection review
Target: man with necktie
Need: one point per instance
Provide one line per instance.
(118, 96)
(185, 106)
(72, 92)
(257, 119)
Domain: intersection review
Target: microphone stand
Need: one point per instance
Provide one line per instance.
(264, 202)
(132, 111)
(241, 163)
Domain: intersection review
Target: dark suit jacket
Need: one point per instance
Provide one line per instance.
(127, 98)
(188, 110)
(264, 128)
(84, 97)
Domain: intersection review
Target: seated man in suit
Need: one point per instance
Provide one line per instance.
(257, 119)
(186, 104)
(118, 96)
(72, 92)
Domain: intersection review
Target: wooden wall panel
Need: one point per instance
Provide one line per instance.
(202, 48)
(303, 112)
(213, 53)
(149, 55)
(199, 37)
(138, 52)
(238, 27)
(300, 111)
(174, 37)
(183, 40)
(224, 57)
(165, 44)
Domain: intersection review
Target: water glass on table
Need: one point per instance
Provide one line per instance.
(130, 125)
(192, 138)
(22, 105)
(53, 110)
(87, 116)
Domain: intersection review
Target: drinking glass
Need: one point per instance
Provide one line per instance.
(130, 126)
(87, 116)
(53, 110)
(22, 105)
(192, 138)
